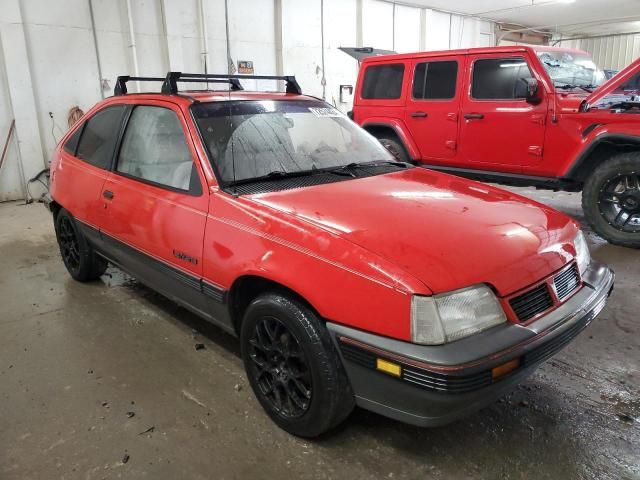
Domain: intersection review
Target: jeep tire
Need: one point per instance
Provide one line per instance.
(611, 200)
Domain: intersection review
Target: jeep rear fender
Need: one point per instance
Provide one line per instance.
(399, 128)
(599, 143)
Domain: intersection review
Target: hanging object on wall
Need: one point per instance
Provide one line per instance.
(245, 67)
(75, 113)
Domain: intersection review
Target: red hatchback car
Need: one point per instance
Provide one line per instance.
(350, 278)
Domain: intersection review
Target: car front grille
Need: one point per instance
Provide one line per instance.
(540, 299)
(566, 282)
(531, 303)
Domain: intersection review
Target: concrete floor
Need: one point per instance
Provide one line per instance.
(95, 374)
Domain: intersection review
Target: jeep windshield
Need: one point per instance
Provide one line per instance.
(570, 70)
(250, 141)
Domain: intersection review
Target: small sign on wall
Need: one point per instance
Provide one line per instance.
(245, 67)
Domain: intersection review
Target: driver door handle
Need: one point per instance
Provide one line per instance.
(107, 194)
(473, 116)
(419, 114)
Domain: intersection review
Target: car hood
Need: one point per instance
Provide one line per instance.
(612, 84)
(446, 231)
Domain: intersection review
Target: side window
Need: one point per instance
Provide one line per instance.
(500, 78)
(435, 80)
(383, 81)
(71, 145)
(99, 136)
(154, 149)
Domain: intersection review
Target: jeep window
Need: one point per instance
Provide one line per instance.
(154, 149)
(71, 145)
(383, 81)
(99, 136)
(249, 140)
(500, 78)
(571, 70)
(435, 80)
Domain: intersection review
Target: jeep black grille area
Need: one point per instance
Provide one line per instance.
(566, 282)
(531, 303)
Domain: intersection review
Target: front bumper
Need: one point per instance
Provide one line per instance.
(439, 384)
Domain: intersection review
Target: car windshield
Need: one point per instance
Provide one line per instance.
(571, 70)
(269, 138)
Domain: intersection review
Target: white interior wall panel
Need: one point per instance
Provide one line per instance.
(339, 31)
(613, 53)
(377, 24)
(50, 62)
(406, 29)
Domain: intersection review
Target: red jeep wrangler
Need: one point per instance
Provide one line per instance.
(514, 115)
(350, 277)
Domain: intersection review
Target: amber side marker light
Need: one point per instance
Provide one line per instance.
(388, 367)
(502, 370)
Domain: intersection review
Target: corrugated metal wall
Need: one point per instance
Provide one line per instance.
(611, 53)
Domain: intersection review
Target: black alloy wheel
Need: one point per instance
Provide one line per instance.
(280, 368)
(619, 202)
(611, 199)
(293, 366)
(69, 246)
(81, 261)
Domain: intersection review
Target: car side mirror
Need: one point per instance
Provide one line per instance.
(532, 90)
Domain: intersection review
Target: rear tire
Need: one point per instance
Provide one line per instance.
(80, 259)
(293, 367)
(395, 148)
(611, 200)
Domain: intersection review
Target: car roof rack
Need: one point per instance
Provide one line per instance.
(169, 83)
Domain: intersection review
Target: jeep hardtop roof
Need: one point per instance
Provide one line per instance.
(470, 51)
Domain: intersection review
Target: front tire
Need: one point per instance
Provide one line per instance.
(395, 148)
(611, 200)
(293, 367)
(81, 261)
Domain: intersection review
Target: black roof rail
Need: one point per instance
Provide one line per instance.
(121, 83)
(169, 85)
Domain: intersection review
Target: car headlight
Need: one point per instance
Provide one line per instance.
(444, 318)
(583, 257)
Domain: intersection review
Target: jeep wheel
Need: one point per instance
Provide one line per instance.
(396, 149)
(611, 200)
(81, 261)
(293, 367)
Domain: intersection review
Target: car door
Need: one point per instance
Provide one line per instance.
(83, 168)
(432, 107)
(499, 127)
(157, 205)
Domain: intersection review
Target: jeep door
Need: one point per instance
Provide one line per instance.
(432, 108)
(499, 127)
(157, 204)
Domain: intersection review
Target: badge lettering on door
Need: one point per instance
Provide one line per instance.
(185, 257)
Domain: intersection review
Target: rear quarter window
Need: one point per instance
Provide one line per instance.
(383, 81)
(99, 136)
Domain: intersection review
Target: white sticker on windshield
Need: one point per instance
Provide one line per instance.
(325, 112)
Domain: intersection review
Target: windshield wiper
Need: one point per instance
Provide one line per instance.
(569, 86)
(350, 167)
(276, 174)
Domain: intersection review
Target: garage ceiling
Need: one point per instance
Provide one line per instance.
(565, 16)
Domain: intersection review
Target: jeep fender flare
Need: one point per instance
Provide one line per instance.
(400, 130)
(587, 159)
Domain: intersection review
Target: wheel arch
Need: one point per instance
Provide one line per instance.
(601, 148)
(378, 129)
(247, 288)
